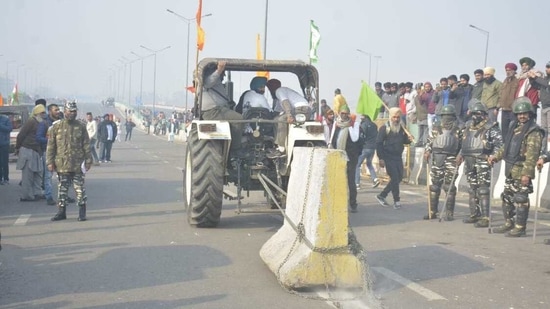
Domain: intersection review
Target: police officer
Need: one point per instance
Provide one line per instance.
(443, 147)
(481, 138)
(522, 147)
(68, 147)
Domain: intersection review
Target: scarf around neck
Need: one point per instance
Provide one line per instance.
(343, 134)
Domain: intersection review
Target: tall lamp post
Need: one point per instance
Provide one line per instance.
(370, 61)
(141, 77)
(123, 62)
(376, 71)
(486, 42)
(17, 75)
(188, 21)
(154, 53)
(8, 75)
(129, 63)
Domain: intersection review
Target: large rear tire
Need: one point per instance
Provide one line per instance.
(203, 181)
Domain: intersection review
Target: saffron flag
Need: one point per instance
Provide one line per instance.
(369, 102)
(314, 39)
(200, 32)
(14, 100)
(259, 56)
(1, 100)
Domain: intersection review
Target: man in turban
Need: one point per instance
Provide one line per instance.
(507, 96)
(390, 143)
(253, 97)
(30, 156)
(526, 86)
(491, 93)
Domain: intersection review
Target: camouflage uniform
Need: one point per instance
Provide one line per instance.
(68, 147)
(522, 148)
(481, 139)
(443, 146)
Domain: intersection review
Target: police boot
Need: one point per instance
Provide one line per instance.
(450, 206)
(474, 209)
(434, 200)
(82, 213)
(60, 215)
(484, 203)
(521, 222)
(508, 212)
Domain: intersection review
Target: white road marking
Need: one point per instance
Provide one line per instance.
(155, 156)
(166, 162)
(415, 287)
(22, 220)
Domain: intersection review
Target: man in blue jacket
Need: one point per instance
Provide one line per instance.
(42, 138)
(5, 130)
(368, 133)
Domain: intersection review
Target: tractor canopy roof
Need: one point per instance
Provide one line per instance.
(307, 74)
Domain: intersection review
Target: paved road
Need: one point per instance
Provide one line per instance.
(137, 251)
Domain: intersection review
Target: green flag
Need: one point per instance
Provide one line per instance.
(314, 39)
(369, 103)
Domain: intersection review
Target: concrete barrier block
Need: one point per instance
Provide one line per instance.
(318, 198)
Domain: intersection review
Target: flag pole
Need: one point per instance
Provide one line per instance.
(309, 50)
(265, 28)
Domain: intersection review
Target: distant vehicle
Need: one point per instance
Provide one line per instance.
(109, 102)
(18, 115)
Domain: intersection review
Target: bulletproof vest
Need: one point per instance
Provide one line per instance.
(446, 142)
(474, 143)
(513, 153)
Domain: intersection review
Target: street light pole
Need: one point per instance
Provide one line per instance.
(123, 79)
(370, 61)
(129, 63)
(17, 76)
(188, 21)
(376, 72)
(486, 42)
(141, 78)
(8, 75)
(154, 53)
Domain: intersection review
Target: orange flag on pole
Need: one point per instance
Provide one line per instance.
(259, 56)
(200, 32)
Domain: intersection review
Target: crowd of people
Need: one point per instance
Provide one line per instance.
(457, 123)
(52, 142)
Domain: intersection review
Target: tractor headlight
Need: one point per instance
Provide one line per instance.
(300, 118)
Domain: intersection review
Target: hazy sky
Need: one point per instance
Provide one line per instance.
(73, 44)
